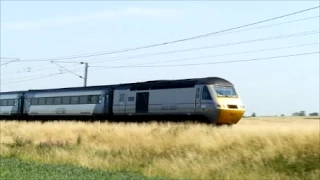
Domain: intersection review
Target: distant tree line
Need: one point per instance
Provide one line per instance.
(303, 113)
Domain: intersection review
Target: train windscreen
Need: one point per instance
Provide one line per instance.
(225, 91)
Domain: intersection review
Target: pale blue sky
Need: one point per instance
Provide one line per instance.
(40, 30)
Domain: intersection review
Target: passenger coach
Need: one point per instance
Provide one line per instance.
(11, 104)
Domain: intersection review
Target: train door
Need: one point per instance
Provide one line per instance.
(198, 97)
(106, 102)
(122, 101)
(142, 102)
(20, 104)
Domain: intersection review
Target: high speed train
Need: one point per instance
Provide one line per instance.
(212, 98)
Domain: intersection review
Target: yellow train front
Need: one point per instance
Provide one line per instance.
(219, 101)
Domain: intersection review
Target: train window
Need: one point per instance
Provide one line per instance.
(83, 99)
(130, 98)
(34, 101)
(57, 100)
(66, 100)
(121, 97)
(10, 102)
(205, 94)
(198, 93)
(4, 102)
(100, 98)
(93, 99)
(225, 91)
(74, 100)
(42, 101)
(49, 101)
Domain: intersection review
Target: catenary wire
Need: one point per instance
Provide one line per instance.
(235, 43)
(195, 64)
(219, 55)
(199, 64)
(132, 57)
(215, 46)
(185, 39)
(297, 20)
(68, 70)
(199, 48)
(201, 57)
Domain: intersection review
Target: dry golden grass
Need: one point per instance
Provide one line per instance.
(255, 148)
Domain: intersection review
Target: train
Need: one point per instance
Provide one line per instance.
(211, 98)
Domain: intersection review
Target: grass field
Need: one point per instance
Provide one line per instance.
(13, 169)
(255, 148)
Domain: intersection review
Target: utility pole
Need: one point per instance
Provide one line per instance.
(85, 73)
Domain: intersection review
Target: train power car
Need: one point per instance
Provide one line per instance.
(213, 98)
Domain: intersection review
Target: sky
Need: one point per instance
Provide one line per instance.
(36, 32)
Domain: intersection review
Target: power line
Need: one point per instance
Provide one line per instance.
(40, 77)
(201, 48)
(68, 70)
(14, 60)
(8, 58)
(266, 26)
(184, 59)
(219, 55)
(215, 46)
(194, 64)
(220, 62)
(144, 55)
(182, 40)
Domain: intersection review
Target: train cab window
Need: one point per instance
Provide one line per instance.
(10, 102)
(4, 102)
(206, 94)
(74, 100)
(42, 101)
(34, 101)
(83, 100)
(66, 100)
(49, 101)
(57, 100)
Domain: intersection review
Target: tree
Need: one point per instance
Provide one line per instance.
(301, 113)
(314, 114)
(253, 114)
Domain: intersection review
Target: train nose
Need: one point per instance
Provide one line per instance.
(230, 113)
(230, 116)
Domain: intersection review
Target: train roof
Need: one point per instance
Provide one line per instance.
(156, 84)
(12, 92)
(178, 83)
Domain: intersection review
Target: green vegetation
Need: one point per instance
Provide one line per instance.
(14, 169)
(262, 148)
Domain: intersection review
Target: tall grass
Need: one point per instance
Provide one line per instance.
(265, 148)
